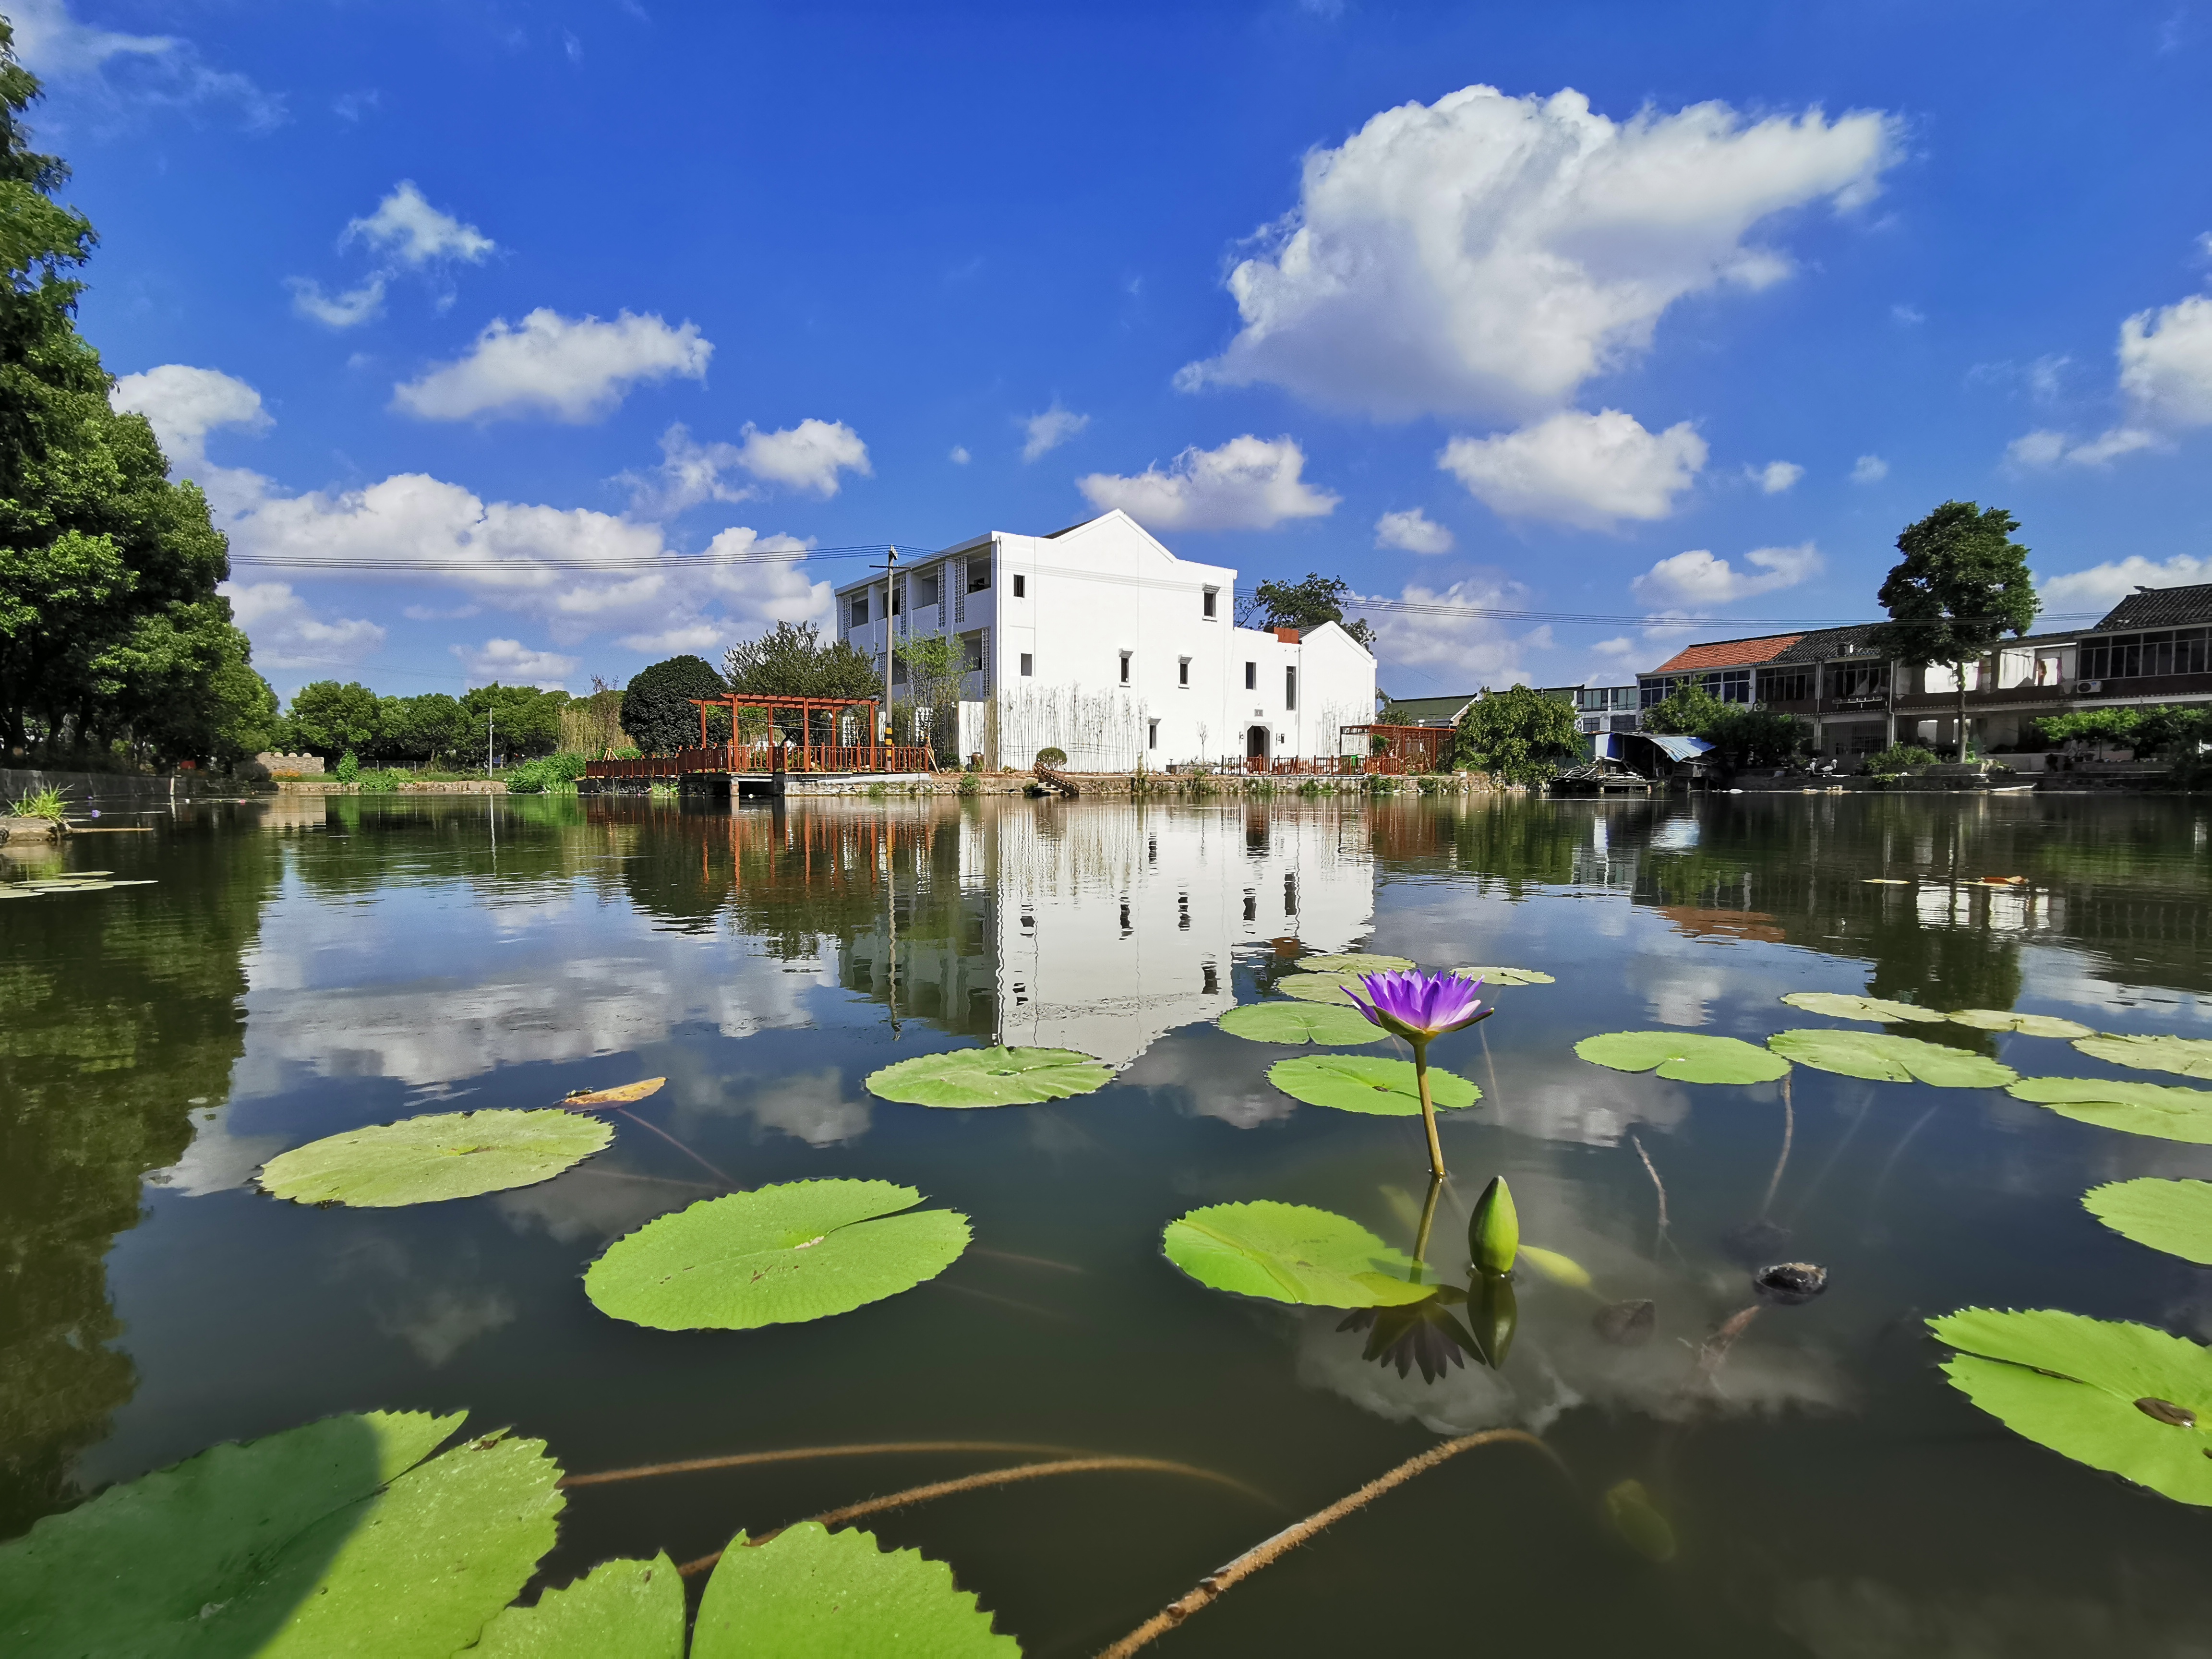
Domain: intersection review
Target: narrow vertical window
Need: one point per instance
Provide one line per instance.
(1212, 601)
(1021, 587)
(1251, 676)
(1125, 667)
(1151, 734)
(1029, 662)
(1182, 671)
(1290, 687)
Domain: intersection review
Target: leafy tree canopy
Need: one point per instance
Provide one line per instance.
(657, 710)
(112, 637)
(1743, 734)
(1301, 605)
(1518, 734)
(793, 661)
(1962, 585)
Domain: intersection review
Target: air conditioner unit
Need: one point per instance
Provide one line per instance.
(2088, 688)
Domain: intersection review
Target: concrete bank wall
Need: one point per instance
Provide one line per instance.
(102, 787)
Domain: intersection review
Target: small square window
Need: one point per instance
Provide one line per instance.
(1029, 662)
(1251, 676)
(1182, 671)
(1021, 587)
(1212, 601)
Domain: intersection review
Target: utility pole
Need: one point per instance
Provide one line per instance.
(486, 743)
(890, 635)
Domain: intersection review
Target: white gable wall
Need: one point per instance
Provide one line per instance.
(1106, 589)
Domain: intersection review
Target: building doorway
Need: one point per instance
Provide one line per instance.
(1255, 743)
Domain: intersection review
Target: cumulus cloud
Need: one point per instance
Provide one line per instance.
(132, 70)
(405, 227)
(2104, 585)
(1043, 434)
(347, 310)
(1869, 469)
(1487, 254)
(1412, 532)
(807, 456)
(959, 456)
(572, 369)
(514, 663)
(184, 404)
(1695, 578)
(1247, 483)
(287, 634)
(1623, 645)
(1425, 627)
(1775, 477)
(2165, 378)
(1590, 470)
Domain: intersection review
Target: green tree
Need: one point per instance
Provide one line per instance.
(1742, 734)
(111, 633)
(328, 719)
(1688, 711)
(524, 720)
(657, 710)
(792, 660)
(1518, 734)
(420, 730)
(1962, 585)
(1301, 605)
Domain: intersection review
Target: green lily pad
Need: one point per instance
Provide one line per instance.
(619, 1610)
(1836, 1005)
(776, 1255)
(1284, 1021)
(2191, 1056)
(1370, 1083)
(1890, 1059)
(423, 1160)
(2099, 1391)
(1999, 1020)
(2165, 1110)
(809, 1591)
(2173, 1215)
(991, 1077)
(1354, 961)
(292, 1547)
(1319, 988)
(1291, 1253)
(1642, 1526)
(1506, 975)
(1685, 1056)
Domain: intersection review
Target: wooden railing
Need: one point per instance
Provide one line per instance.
(765, 757)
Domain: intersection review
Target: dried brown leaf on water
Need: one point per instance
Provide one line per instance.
(621, 1096)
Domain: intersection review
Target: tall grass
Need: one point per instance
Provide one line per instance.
(45, 804)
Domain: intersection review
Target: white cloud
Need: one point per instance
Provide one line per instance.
(959, 456)
(1490, 254)
(1621, 646)
(1049, 431)
(2103, 586)
(286, 634)
(1908, 315)
(808, 456)
(515, 664)
(1442, 629)
(147, 71)
(1247, 483)
(1775, 477)
(569, 369)
(2165, 376)
(693, 639)
(184, 404)
(1869, 469)
(407, 229)
(1577, 469)
(1412, 531)
(347, 310)
(1697, 579)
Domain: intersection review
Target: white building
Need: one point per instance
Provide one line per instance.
(1097, 640)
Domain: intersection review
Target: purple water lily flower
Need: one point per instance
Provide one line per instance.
(1418, 1006)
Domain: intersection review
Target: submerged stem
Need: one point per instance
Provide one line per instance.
(1428, 1220)
(1428, 1108)
(1020, 1472)
(678, 1144)
(1211, 1588)
(1789, 1133)
(807, 1454)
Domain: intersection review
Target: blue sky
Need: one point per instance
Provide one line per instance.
(1624, 313)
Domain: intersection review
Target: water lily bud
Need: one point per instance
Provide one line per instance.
(1494, 1313)
(1493, 1232)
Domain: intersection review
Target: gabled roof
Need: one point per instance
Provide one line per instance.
(1825, 642)
(1727, 653)
(2158, 607)
(1429, 711)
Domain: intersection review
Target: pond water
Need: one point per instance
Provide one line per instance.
(301, 967)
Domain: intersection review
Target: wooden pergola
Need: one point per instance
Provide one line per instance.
(1405, 748)
(812, 757)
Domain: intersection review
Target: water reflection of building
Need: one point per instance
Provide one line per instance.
(1103, 931)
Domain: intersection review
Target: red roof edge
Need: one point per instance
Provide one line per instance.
(1727, 653)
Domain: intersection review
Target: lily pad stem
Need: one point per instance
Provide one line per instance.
(1211, 1586)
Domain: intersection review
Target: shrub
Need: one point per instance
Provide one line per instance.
(970, 785)
(40, 804)
(349, 767)
(384, 781)
(657, 710)
(1518, 734)
(1900, 758)
(1051, 754)
(550, 775)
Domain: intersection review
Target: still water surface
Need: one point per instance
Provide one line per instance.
(302, 968)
